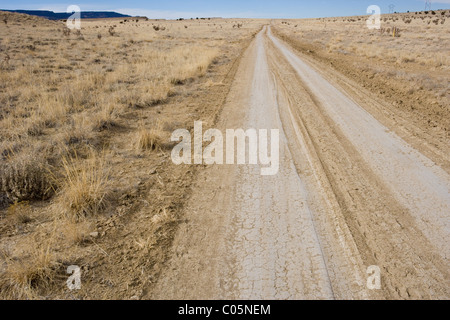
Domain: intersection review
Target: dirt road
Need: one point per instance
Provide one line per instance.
(349, 194)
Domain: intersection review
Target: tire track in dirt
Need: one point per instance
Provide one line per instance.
(385, 228)
(278, 253)
(417, 182)
(310, 231)
(249, 236)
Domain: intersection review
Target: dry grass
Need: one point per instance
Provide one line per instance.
(76, 232)
(19, 212)
(77, 113)
(25, 177)
(406, 60)
(401, 37)
(22, 277)
(149, 139)
(105, 118)
(85, 187)
(64, 92)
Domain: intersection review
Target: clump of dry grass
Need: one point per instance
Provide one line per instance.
(19, 212)
(105, 119)
(85, 186)
(158, 28)
(22, 277)
(149, 139)
(76, 232)
(25, 177)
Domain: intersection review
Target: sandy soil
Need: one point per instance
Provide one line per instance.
(350, 193)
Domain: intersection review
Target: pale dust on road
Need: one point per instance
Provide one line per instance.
(349, 194)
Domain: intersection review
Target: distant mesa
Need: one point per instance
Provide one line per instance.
(63, 15)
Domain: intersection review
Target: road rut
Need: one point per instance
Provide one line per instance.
(349, 194)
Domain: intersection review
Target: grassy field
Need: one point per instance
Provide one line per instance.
(85, 121)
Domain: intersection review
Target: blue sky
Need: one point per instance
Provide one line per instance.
(172, 9)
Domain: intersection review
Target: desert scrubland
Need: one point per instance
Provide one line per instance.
(86, 119)
(86, 176)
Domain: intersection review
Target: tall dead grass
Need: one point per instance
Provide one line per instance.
(61, 96)
(149, 139)
(23, 276)
(85, 187)
(70, 112)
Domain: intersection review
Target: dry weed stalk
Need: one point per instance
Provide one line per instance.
(395, 32)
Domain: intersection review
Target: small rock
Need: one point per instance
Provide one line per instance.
(94, 234)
